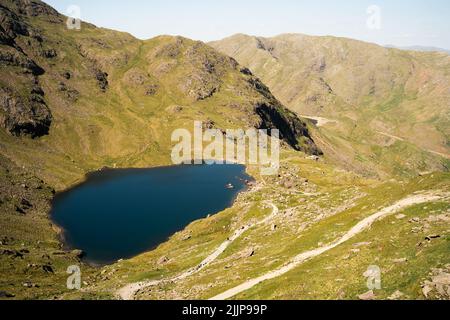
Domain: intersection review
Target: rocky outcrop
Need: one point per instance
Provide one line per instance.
(35, 8)
(10, 25)
(292, 129)
(102, 79)
(12, 57)
(204, 67)
(273, 115)
(24, 116)
(23, 111)
(142, 80)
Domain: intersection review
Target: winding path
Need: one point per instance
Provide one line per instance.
(444, 155)
(299, 259)
(128, 292)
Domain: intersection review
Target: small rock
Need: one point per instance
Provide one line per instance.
(67, 75)
(400, 216)
(426, 289)
(369, 295)
(186, 237)
(401, 260)
(431, 237)
(4, 294)
(48, 269)
(248, 253)
(20, 210)
(162, 260)
(396, 295)
(78, 253)
(30, 284)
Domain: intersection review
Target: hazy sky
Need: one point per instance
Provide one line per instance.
(400, 22)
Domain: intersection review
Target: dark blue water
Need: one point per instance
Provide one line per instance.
(118, 214)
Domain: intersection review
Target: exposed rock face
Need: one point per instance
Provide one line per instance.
(12, 57)
(141, 80)
(205, 80)
(292, 129)
(102, 79)
(24, 117)
(203, 67)
(36, 8)
(10, 26)
(24, 113)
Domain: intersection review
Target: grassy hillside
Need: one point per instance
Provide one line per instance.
(388, 108)
(73, 101)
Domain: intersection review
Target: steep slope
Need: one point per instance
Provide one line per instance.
(388, 109)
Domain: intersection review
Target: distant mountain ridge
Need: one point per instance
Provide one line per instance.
(365, 90)
(419, 48)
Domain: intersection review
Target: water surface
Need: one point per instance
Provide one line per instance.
(121, 213)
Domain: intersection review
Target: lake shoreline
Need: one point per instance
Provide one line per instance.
(247, 184)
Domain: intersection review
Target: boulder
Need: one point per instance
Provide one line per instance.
(48, 269)
(12, 57)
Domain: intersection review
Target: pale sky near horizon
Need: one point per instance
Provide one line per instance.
(402, 22)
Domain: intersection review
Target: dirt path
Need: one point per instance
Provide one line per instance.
(427, 150)
(447, 156)
(390, 136)
(128, 292)
(361, 226)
